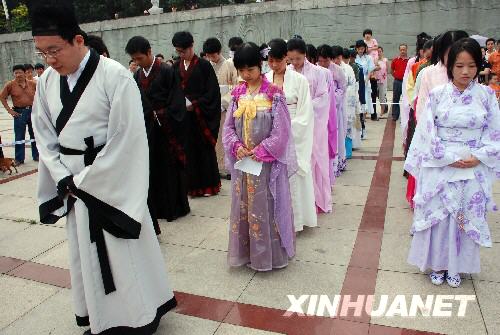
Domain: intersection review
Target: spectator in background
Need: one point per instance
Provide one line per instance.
(160, 57)
(485, 68)
(398, 67)
(490, 47)
(372, 51)
(381, 76)
(494, 60)
(97, 43)
(132, 66)
(22, 92)
(28, 71)
(494, 84)
(39, 68)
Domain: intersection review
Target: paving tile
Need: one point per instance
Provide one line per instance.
(174, 323)
(490, 269)
(395, 249)
(216, 206)
(354, 178)
(270, 289)
(360, 165)
(43, 274)
(8, 264)
(206, 273)
(174, 254)
(19, 296)
(218, 239)
(27, 212)
(8, 228)
(32, 242)
(342, 217)
(488, 295)
(54, 316)
(227, 329)
(393, 283)
(398, 221)
(322, 245)
(189, 230)
(350, 195)
(57, 256)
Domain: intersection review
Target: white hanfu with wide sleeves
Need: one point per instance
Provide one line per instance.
(118, 277)
(298, 99)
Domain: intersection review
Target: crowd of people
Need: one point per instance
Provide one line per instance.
(121, 149)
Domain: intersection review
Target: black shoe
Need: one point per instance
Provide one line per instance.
(228, 176)
(35, 159)
(18, 163)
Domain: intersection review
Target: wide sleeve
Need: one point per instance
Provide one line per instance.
(410, 88)
(230, 139)
(320, 93)
(427, 149)
(46, 136)
(115, 185)
(423, 93)
(303, 127)
(489, 152)
(52, 206)
(210, 100)
(341, 83)
(371, 65)
(279, 144)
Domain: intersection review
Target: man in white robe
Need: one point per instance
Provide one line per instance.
(298, 99)
(93, 169)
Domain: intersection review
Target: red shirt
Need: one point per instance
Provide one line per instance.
(398, 66)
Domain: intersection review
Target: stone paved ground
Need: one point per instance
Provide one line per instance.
(360, 248)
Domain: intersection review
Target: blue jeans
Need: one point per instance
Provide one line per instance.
(20, 124)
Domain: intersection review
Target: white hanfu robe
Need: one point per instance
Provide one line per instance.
(298, 99)
(108, 221)
(351, 102)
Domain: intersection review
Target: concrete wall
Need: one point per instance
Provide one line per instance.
(317, 21)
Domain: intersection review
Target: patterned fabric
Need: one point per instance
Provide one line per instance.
(453, 126)
(261, 223)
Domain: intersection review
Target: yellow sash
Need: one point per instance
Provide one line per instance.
(247, 108)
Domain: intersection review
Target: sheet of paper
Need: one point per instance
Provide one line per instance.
(462, 174)
(248, 165)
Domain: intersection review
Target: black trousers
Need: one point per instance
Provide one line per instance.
(373, 84)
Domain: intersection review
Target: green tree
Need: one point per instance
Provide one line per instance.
(20, 20)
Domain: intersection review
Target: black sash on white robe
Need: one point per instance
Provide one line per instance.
(102, 216)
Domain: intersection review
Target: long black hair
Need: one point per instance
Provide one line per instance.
(278, 48)
(444, 43)
(247, 56)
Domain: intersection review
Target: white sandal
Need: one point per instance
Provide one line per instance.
(454, 281)
(437, 278)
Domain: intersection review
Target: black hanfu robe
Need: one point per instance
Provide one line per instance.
(200, 86)
(165, 117)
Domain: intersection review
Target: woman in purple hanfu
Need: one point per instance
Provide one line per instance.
(455, 157)
(258, 126)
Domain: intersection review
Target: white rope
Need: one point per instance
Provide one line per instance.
(3, 145)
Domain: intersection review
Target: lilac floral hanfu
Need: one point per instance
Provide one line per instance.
(451, 203)
(261, 233)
